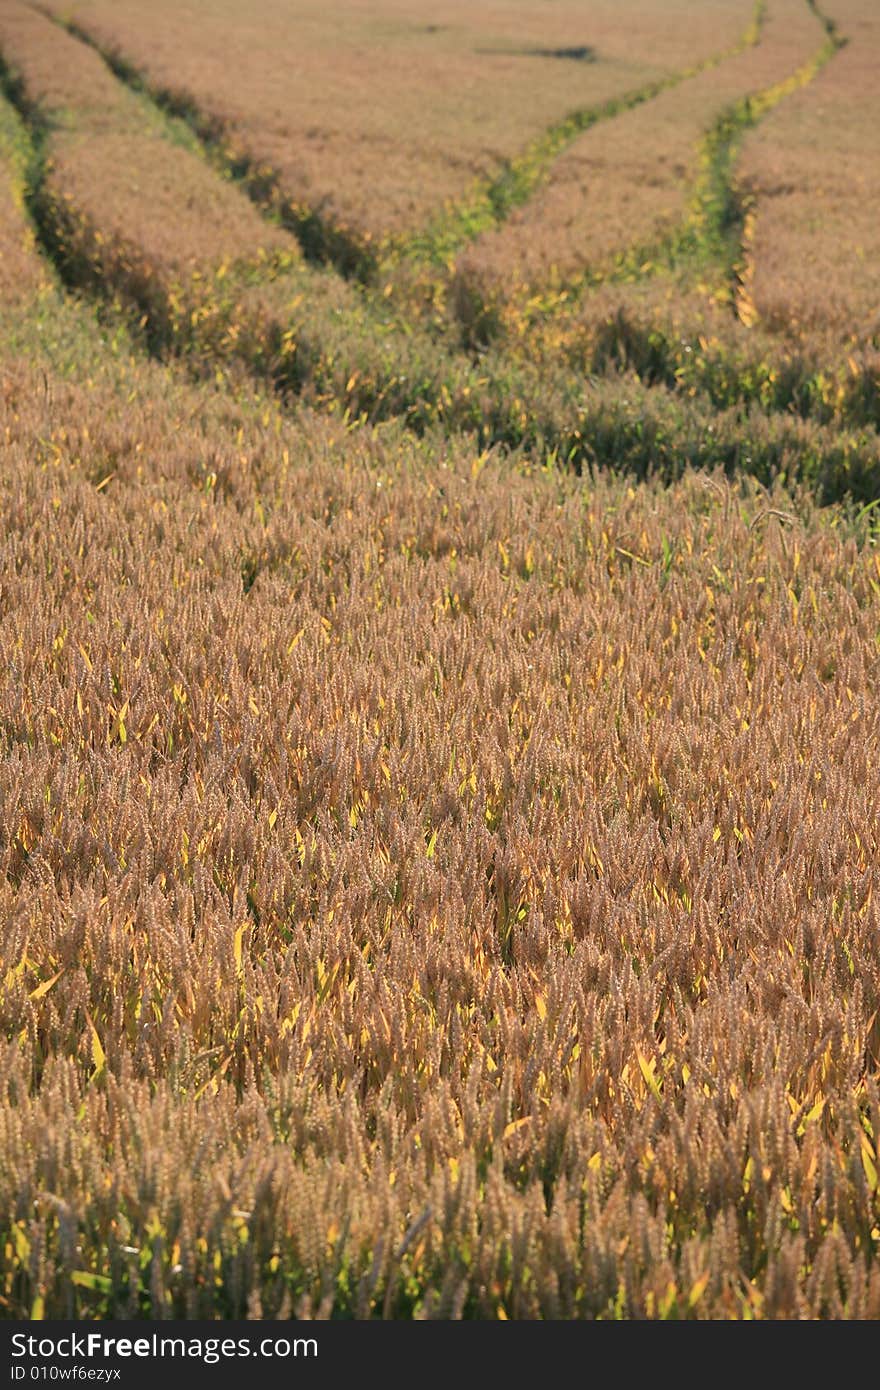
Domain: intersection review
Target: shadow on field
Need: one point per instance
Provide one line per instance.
(582, 53)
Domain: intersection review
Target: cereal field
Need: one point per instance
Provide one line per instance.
(440, 659)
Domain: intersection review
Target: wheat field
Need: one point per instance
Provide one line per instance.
(439, 660)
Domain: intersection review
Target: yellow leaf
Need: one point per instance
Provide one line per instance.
(541, 1006)
(236, 948)
(868, 1163)
(46, 985)
(647, 1070)
(22, 1244)
(698, 1290)
(516, 1125)
(816, 1111)
(86, 1280)
(639, 559)
(99, 1057)
(478, 464)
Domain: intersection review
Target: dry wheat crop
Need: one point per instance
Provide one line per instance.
(435, 881)
(396, 840)
(128, 203)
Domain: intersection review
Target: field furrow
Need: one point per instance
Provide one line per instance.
(638, 187)
(415, 266)
(664, 312)
(272, 332)
(23, 275)
(444, 240)
(812, 178)
(294, 139)
(108, 158)
(310, 334)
